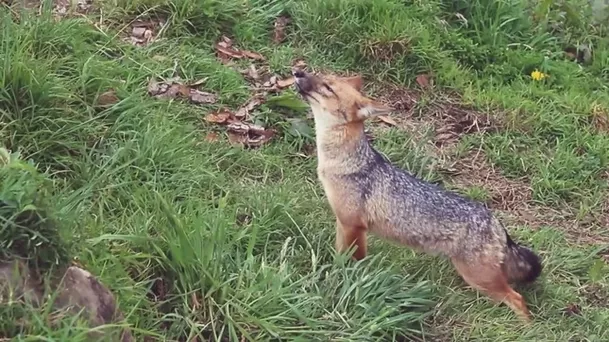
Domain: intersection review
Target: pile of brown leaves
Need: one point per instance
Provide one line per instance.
(238, 124)
(240, 131)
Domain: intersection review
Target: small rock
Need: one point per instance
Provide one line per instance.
(17, 282)
(139, 32)
(80, 290)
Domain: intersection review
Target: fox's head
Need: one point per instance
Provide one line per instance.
(336, 101)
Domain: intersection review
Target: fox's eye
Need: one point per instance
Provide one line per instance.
(328, 88)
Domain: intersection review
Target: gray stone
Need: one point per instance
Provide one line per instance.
(18, 283)
(78, 292)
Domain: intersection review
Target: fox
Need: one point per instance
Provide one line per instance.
(368, 194)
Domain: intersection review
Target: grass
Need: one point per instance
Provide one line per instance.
(204, 240)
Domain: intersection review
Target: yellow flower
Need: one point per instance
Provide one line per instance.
(538, 75)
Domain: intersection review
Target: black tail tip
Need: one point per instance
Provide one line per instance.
(530, 258)
(534, 261)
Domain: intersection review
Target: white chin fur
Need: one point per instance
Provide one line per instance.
(324, 121)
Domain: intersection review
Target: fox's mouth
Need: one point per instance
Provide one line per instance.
(303, 82)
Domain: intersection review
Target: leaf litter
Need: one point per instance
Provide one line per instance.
(225, 50)
(388, 120)
(107, 98)
(144, 32)
(175, 88)
(280, 25)
(240, 132)
(220, 117)
(263, 80)
(240, 129)
(245, 110)
(249, 134)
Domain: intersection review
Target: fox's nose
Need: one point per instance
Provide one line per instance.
(297, 73)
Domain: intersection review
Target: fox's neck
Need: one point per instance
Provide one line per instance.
(339, 142)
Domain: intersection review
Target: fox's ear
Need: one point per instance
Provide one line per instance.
(355, 81)
(372, 109)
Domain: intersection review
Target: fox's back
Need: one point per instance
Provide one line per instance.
(401, 207)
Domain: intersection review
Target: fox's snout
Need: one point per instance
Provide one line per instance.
(304, 81)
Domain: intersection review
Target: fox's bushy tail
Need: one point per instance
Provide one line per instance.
(521, 264)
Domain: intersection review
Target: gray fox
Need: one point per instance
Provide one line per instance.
(369, 194)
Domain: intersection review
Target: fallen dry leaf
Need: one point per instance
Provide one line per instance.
(107, 98)
(225, 51)
(388, 120)
(219, 117)
(244, 111)
(212, 137)
(173, 87)
(195, 302)
(144, 32)
(198, 82)
(159, 89)
(299, 63)
(250, 135)
(275, 84)
(243, 127)
(279, 33)
(201, 97)
(251, 73)
(253, 55)
(423, 80)
(286, 82)
(64, 7)
(272, 81)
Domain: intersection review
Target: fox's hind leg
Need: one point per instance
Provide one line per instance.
(349, 235)
(490, 279)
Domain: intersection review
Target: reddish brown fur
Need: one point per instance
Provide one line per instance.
(351, 236)
(351, 227)
(489, 278)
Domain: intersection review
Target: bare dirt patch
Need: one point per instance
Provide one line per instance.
(450, 118)
(474, 170)
(512, 199)
(595, 295)
(453, 119)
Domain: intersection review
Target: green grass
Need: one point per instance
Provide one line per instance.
(204, 239)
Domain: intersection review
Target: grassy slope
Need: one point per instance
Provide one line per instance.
(243, 238)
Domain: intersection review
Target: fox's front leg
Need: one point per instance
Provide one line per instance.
(349, 235)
